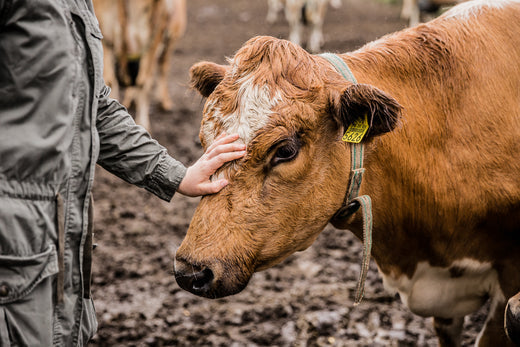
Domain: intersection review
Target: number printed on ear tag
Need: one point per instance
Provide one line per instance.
(356, 131)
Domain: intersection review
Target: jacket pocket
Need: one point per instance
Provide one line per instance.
(26, 298)
(19, 275)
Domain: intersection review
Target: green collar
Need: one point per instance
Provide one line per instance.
(352, 201)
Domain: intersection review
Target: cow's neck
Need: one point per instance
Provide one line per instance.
(384, 65)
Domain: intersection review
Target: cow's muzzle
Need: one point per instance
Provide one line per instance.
(195, 279)
(210, 281)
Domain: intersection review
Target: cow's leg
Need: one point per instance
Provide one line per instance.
(449, 331)
(335, 4)
(146, 76)
(494, 334)
(131, 93)
(163, 92)
(109, 72)
(144, 83)
(316, 18)
(512, 319)
(273, 7)
(411, 12)
(142, 109)
(174, 31)
(316, 38)
(415, 15)
(406, 10)
(293, 14)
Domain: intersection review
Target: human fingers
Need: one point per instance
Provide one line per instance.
(212, 187)
(219, 160)
(223, 139)
(225, 148)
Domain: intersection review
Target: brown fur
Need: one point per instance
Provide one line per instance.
(142, 32)
(444, 183)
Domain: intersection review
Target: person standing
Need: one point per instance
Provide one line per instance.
(56, 123)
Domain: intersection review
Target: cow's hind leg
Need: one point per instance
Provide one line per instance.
(109, 72)
(449, 331)
(411, 12)
(273, 8)
(142, 109)
(293, 14)
(163, 92)
(512, 319)
(316, 17)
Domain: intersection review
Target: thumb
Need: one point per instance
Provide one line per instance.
(214, 187)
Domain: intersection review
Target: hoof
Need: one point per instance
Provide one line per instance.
(512, 319)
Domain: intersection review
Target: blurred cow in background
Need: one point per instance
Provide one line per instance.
(412, 8)
(299, 13)
(139, 38)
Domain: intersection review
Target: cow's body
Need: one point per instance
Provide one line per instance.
(445, 182)
(298, 12)
(139, 38)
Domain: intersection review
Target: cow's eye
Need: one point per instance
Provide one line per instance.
(286, 152)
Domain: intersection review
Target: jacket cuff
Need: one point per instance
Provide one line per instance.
(166, 178)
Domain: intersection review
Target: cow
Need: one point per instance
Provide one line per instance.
(412, 9)
(138, 43)
(299, 13)
(441, 101)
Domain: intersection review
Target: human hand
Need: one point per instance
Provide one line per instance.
(197, 182)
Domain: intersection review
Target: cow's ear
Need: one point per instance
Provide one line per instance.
(205, 76)
(358, 100)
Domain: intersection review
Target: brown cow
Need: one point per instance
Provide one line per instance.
(139, 38)
(442, 163)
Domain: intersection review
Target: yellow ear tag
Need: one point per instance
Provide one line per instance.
(356, 131)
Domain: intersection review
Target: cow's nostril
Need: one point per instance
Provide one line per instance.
(202, 280)
(199, 283)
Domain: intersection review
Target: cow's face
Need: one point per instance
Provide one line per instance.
(290, 109)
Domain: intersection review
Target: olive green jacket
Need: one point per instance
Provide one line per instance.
(56, 123)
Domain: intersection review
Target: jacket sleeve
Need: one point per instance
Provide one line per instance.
(128, 151)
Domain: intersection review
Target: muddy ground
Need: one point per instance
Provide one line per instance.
(305, 301)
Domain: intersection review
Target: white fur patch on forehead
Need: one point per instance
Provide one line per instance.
(471, 8)
(254, 109)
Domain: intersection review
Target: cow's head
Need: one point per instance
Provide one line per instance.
(290, 108)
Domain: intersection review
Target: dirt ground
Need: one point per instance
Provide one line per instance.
(305, 301)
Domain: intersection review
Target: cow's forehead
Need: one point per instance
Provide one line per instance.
(263, 74)
(254, 105)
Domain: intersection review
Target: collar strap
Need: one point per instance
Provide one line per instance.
(352, 201)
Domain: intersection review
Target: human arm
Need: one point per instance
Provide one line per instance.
(128, 151)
